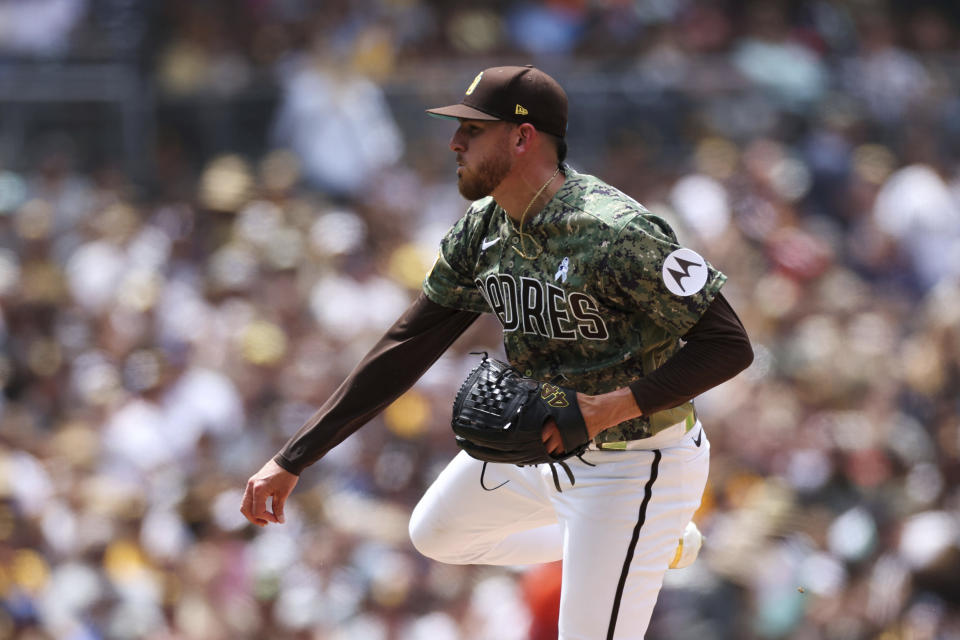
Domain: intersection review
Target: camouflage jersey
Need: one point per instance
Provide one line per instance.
(604, 303)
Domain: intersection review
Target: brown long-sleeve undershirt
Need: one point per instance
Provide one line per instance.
(393, 365)
(716, 349)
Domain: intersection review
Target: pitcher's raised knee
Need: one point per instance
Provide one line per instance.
(433, 540)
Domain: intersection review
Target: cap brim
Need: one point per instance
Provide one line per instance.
(461, 111)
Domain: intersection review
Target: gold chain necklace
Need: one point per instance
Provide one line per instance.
(523, 216)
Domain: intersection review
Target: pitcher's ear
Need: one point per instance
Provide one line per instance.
(525, 133)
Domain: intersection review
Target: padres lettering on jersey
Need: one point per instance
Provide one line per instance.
(603, 304)
(542, 309)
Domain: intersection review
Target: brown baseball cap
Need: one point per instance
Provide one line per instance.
(514, 94)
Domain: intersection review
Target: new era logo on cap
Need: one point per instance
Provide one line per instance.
(514, 94)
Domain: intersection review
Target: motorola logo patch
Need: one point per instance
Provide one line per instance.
(685, 272)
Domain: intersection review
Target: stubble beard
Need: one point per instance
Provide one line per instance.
(490, 172)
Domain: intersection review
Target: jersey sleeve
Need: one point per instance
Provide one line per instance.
(647, 270)
(450, 282)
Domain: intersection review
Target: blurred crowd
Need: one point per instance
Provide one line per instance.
(159, 342)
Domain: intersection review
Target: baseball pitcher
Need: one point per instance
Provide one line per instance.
(611, 328)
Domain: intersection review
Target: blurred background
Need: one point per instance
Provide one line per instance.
(211, 209)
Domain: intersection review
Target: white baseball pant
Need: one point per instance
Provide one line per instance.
(616, 529)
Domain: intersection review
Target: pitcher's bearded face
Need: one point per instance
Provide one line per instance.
(478, 182)
(483, 156)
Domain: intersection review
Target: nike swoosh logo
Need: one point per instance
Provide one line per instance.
(699, 438)
(486, 244)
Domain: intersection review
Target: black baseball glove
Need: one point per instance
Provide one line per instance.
(498, 416)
